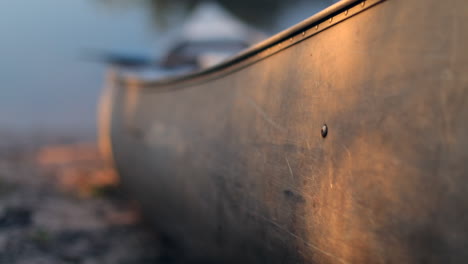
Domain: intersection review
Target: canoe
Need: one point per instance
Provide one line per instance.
(340, 140)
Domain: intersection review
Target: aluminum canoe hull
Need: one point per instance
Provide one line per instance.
(231, 161)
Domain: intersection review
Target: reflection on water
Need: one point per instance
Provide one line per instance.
(46, 84)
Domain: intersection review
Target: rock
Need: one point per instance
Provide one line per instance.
(15, 217)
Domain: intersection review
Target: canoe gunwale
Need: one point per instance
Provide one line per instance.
(307, 28)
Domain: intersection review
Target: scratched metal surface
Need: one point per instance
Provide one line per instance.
(235, 167)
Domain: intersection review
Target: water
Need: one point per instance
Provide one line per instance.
(46, 84)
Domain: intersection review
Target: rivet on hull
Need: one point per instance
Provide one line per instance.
(324, 130)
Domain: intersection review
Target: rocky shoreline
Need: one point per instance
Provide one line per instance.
(62, 204)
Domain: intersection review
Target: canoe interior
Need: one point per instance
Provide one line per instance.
(232, 163)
